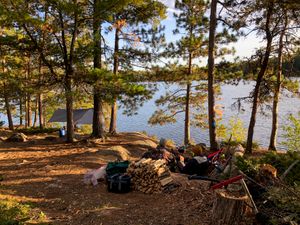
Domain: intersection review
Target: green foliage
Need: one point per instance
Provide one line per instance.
(86, 129)
(286, 201)
(37, 130)
(248, 166)
(2, 123)
(235, 131)
(281, 162)
(292, 134)
(13, 213)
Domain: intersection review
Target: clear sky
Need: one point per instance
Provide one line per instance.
(245, 46)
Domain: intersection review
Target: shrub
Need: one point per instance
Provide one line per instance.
(86, 129)
(292, 133)
(248, 166)
(281, 162)
(37, 130)
(13, 213)
(235, 131)
(2, 123)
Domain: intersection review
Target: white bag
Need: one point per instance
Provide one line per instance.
(91, 177)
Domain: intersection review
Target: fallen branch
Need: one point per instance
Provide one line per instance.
(289, 169)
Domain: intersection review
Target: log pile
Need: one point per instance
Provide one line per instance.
(150, 176)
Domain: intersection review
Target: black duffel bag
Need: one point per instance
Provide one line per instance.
(118, 183)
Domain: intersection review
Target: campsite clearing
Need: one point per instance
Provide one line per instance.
(48, 174)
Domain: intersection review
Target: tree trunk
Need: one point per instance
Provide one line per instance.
(35, 111)
(98, 120)
(114, 108)
(28, 108)
(273, 141)
(259, 80)
(29, 111)
(8, 112)
(187, 122)
(113, 118)
(187, 132)
(228, 209)
(26, 111)
(40, 108)
(21, 111)
(69, 107)
(211, 62)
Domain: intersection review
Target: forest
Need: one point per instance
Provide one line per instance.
(112, 55)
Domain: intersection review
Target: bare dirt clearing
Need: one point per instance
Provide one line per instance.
(49, 174)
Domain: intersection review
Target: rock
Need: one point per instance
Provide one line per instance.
(121, 152)
(17, 137)
(115, 152)
(143, 143)
(239, 150)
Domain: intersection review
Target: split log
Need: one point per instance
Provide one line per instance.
(149, 176)
(229, 209)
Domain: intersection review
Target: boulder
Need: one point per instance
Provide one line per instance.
(143, 143)
(17, 137)
(115, 152)
(239, 150)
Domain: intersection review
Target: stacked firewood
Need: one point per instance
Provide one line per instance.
(150, 176)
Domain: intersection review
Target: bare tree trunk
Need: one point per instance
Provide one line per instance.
(40, 107)
(273, 141)
(8, 112)
(35, 111)
(259, 80)
(21, 111)
(98, 120)
(187, 122)
(26, 111)
(113, 118)
(187, 130)
(29, 111)
(211, 62)
(114, 108)
(69, 107)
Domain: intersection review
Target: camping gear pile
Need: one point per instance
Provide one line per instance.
(150, 176)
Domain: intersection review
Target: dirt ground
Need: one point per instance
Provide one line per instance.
(49, 174)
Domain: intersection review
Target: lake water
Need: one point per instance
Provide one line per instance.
(288, 105)
(139, 122)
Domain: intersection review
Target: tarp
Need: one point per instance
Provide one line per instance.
(80, 116)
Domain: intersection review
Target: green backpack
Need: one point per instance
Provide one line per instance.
(116, 167)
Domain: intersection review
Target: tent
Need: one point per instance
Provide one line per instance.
(80, 116)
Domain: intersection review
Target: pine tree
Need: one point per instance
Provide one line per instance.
(288, 23)
(128, 15)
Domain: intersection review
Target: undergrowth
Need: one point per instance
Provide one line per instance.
(37, 130)
(15, 213)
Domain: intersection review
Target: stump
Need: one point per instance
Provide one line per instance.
(229, 209)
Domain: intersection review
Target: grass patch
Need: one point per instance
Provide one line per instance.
(15, 213)
(37, 130)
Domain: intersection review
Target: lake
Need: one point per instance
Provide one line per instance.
(288, 105)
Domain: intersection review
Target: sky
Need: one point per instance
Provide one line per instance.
(245, 46)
